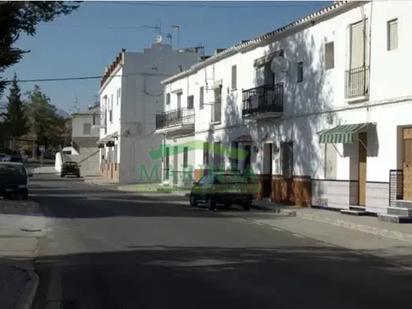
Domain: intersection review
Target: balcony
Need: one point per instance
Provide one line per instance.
(263, 102)
(175, 122)
(357, 84)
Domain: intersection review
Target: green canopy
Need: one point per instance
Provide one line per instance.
(342, 133)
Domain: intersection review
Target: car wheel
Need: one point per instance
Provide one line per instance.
(62, 175)
(8, 196)
(211, 204)
(246, 206)
(78, 175)
(21, 196)
(193, 201)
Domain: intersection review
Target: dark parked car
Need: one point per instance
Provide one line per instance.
(4, 157)
(70, 168)
(222, 188)
(13, 180)
(16, 157)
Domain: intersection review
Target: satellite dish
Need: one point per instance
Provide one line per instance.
(159, 39)
(279, 65)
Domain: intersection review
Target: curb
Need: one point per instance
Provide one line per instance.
(359, 227)
(28, 292)
(280, 211)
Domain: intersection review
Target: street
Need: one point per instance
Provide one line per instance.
(109, 249)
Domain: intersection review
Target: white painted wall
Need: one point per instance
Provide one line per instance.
(78, 120)
(141, 96)
(307, 105)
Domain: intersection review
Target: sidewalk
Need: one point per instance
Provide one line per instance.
(144, 189)
(365, 224)
(19, 240)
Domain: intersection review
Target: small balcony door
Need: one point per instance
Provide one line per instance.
(407, 163)
(357, 75)
(362, 168)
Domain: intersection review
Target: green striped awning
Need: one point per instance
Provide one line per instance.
(342, 133)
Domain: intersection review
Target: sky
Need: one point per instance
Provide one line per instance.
(86, 41)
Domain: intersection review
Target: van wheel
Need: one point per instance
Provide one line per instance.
(211, 204)
(193, 202)
(246, 206)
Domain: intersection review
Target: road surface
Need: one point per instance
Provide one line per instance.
(109, 249)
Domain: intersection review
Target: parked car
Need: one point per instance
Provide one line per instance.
(70, 168)
(222, 188)
(13, 180)
(4, 157)
(16, 157)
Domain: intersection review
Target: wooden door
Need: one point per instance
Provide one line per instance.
(175, 163)
(267, 170)
(407, 163)
(362, 168)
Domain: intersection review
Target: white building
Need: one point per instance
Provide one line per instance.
(274, 98)
(130, 94)
(85, 134)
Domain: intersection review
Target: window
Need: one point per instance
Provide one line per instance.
(185, 156)
(111, 109)
(201, 97)
(167, 98)
(392, 30)
(329, 56)
(179, 100)
(299, 72)
(87, 128)
(94, 119)
(167, 162)
(234, 77)
(234, 156)
(190, 100)
(217, 106)
(205, 154)
(330, 161)
(287, 159)
(217, 157)
(118, 96)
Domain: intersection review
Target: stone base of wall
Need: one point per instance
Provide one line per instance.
(341, 194)
(292, 191)
(377, 197)
(110, 171)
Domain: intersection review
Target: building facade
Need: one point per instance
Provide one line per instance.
(130, 94)
(85, 134)
(318, 109)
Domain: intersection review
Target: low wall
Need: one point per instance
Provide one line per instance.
(294, 191)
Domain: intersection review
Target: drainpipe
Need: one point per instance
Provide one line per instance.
(370, 53)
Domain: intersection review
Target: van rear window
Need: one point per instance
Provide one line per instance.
(6, 170)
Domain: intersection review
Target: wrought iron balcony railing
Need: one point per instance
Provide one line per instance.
(357, 82)
(175, 117)
(263, 99)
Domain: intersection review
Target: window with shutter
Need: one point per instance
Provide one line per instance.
(234, 77)
(329, 56)
(201, 97)
(392, 30)
(190, 100)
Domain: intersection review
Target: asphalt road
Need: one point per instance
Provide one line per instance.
(107, 249)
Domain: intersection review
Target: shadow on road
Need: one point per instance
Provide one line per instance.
(212, 277)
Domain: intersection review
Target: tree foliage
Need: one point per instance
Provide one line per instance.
(17, 17)
(46, 126)
(15, 121)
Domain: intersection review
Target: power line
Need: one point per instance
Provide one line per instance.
(220, 6)
(57, 79)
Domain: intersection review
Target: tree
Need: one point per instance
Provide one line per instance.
(15, 120)
(18, 17)
(46, 126)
